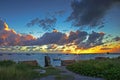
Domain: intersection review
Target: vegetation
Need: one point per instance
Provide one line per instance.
(10, 70)
(108, 69)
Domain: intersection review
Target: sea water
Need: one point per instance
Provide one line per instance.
(40, 57)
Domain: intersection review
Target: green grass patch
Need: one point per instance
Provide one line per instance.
(108, 69)
(10, 70)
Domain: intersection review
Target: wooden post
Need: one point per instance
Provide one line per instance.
(47, 61)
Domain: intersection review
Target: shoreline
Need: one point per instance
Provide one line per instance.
(52, 53)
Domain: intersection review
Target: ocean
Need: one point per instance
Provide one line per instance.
(40, 57)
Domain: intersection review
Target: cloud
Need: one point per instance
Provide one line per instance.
(8, 37)
(94, 39)
(81, 39)
(46, 23)
(89, 13)
(117, 38)
(52, 46)
(33, 22)
(105, 48)
(52, 38)
(77, 36)
(59, 13)
(60, 38)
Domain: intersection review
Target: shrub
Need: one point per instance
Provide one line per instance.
(6, 63)
(108, 69)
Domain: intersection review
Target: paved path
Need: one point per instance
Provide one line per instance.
(51, 77)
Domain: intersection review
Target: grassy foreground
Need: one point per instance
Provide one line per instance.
(10, 70)
(108, 69)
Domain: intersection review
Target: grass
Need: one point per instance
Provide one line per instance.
(9, 70)
(108, 69)
(6, 63)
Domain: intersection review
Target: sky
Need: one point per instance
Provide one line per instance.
(60, 26)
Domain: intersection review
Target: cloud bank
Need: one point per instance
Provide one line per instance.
(89, 13)
(82, 39)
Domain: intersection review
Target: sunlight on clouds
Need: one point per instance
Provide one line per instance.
(73, 49)
(44, 48)
(6, 26)
(77, 42)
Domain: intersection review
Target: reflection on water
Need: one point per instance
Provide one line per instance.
(40, 57)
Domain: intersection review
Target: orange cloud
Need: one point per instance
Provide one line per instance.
(10, 37)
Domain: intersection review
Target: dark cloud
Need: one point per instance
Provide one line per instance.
(33, 22)
(77, 36)
(80, 38)
(117, 38)
(94, 39)
(46, 23)
(59, 38)
(89, 12)
(52, 38)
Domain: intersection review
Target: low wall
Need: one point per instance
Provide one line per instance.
(33, 63)
(67, 62)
